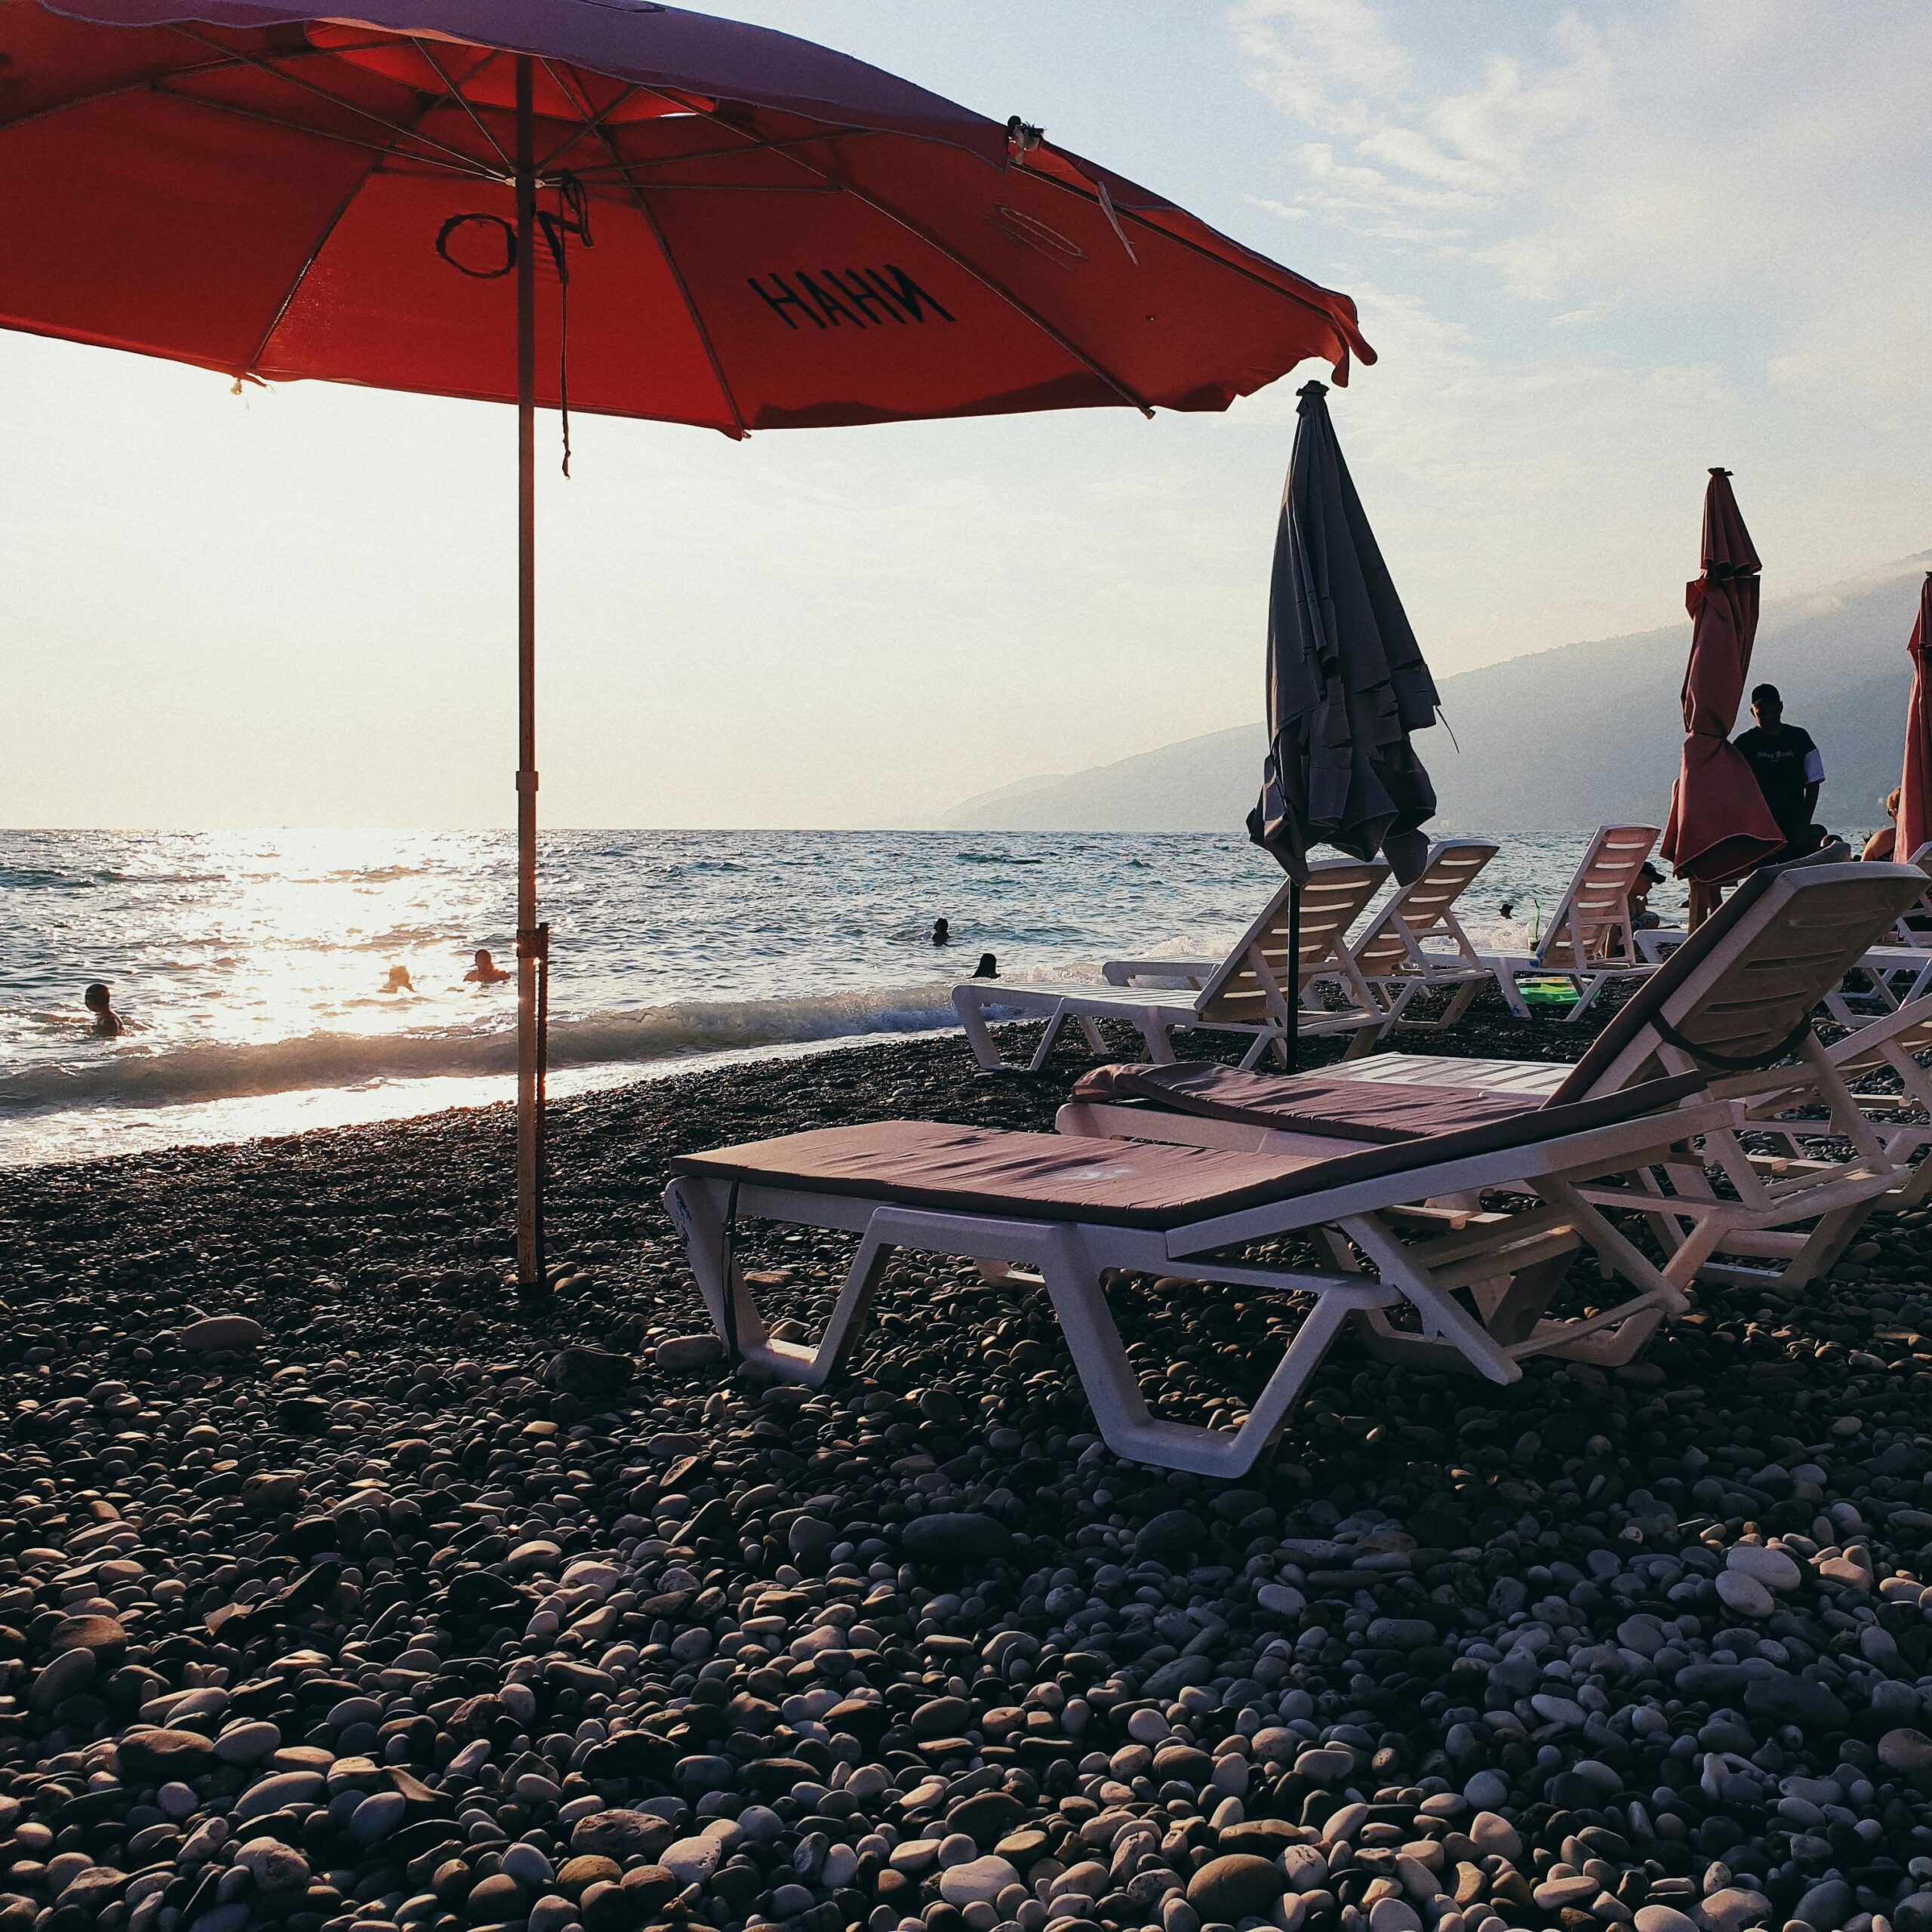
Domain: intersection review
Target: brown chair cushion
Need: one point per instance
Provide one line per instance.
(1305, 1103)
(1124, 1183)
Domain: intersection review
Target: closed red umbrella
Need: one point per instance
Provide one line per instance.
(730, 227)
(1720, 826)
(1915, 820)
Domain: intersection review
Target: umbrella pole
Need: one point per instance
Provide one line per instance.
(532, 941)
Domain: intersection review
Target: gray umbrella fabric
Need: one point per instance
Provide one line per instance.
(1346, 680)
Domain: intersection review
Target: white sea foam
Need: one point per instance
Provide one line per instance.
(134, 1075)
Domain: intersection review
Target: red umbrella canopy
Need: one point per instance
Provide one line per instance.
(757, 233)
(1914, 820)
(1720, 826)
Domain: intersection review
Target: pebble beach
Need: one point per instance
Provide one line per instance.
(340, 1590)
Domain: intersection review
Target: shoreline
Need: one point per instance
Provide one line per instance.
(487, 1615)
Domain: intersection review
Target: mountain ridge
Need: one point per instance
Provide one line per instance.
(1563, 738)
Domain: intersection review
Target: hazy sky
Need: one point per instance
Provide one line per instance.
(1597, 249)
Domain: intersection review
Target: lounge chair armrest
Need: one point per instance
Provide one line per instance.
(1125, 972)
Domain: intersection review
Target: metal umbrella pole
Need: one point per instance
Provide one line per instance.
(532, 939)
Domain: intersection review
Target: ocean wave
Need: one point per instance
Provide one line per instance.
(215, 1072)
(995, 859)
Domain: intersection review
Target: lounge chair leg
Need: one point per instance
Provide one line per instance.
(1048, 1035)
(973, 1018)
(1512, 993)
(1444, 1318)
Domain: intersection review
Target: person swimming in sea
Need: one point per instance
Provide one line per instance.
(399, 981)
(486, 972)
(108, 1024)
(988, 967)
(942, 933)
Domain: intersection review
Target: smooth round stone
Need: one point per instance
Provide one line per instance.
(551, 1913)
(497, 1901)
(1235, 1886)
(1738, 1590)
(377, 1815)
(976, 1881)
(538, 1554)
(1486, 1790)
(276, 1866)
(1148, 1727)
(1393, 1915)
(1280, 1600)
(103, 1635)
(65, 1676)
(1827, 1905)
(682, 1352)
(1663, 1918)
(691, 1861)
(528, 1866)
(1553, 1894)
(177, 1800)
(1905, 1750)
(218, 1332)
(164, 1757)
(1731, 1909)
(1327, 1765)
(247, 1743)
(1495, 1836)
(1776, 1569)
(956, 1535)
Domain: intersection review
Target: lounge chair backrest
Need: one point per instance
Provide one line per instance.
(1592, 923)
(1743, 984)
(1424, 908)
(1241, 993)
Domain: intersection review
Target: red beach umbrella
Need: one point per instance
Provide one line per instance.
(1720, 826)
(1915, 820)
(610, 205)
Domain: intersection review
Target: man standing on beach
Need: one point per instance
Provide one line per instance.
(1788, 768)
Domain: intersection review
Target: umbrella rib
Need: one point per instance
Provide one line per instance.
(979, 274)
(593, 125)
(1006, 295)
(750, 145)
(472, 170)
(644, 207)
(322, 241)
(268, 67)
(462, 99)
(1195, 248)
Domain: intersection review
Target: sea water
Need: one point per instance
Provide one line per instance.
(252, 965)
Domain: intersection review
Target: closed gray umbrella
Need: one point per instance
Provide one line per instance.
(1346, 680)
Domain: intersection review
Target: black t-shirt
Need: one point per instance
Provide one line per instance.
(1784, 765)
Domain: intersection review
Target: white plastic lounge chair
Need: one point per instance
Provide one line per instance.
(1069, 1210)
(1734, 1002)
(1588, 940)
(1247, 992)
(1892, 1049)
(1417, 945)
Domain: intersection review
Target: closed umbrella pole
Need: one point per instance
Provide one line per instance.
(1720, 826)
(1915, 820)
(1347, 684)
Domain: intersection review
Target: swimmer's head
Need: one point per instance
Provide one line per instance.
(483, 958)
(399, 979)
(96, 996)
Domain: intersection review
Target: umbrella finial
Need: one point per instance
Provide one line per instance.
(1720, 472)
